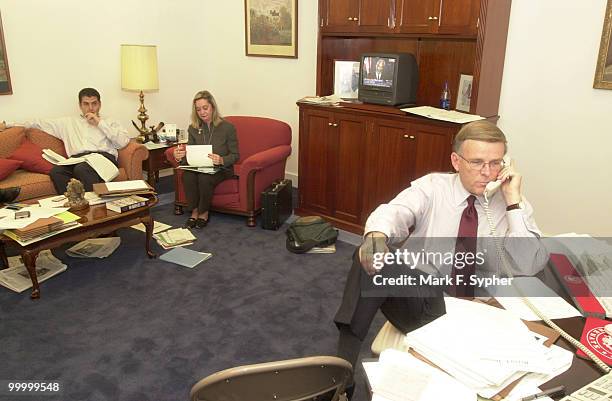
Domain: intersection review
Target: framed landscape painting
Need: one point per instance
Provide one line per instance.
(5, 77)
(603, 73)
(271, 28)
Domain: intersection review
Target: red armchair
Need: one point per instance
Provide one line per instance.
(264, 145)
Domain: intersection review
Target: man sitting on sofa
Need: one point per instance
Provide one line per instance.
(87, 133)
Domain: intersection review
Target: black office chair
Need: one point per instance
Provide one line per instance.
(290, 380)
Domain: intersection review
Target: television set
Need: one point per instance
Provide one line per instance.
(388, 78)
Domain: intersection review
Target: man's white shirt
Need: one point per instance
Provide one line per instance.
(433, 205)
(79, 136)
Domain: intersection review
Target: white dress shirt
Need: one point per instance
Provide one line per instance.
(433, 206)
(79, 136)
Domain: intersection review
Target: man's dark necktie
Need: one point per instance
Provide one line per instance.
(466, 244)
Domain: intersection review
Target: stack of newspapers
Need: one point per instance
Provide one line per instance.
(173, 238)
(16, 277)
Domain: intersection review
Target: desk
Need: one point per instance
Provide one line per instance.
(155, 162)
(582, 371)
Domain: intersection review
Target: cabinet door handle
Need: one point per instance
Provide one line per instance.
(434, 18)
(429, 18)
(409, 136)
(330, 124)
(355, 19)
(335, 125)
(350, 18)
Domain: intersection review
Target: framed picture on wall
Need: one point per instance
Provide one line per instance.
(603, 73)
(270, 28)
(346, 79)
(464, 94)
(5, 77)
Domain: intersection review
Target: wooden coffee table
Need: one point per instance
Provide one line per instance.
(96, 221)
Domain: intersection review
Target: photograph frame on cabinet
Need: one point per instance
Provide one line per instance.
(603, 73)
(270, 28)
(346, 78)
(5, 76)
(464, 93)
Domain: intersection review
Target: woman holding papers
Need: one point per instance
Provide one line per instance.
(207, 128)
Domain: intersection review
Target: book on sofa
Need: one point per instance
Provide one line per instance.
(104, 167)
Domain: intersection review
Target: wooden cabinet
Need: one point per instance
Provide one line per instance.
(438, 16)
(369, 16)
(351, 160)
(331, 163)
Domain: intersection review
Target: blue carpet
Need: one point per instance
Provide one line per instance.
(131, 328)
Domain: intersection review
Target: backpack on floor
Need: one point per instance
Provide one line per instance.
(308, 232)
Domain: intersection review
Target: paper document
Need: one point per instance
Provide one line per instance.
(399, 376)
(185, 257)
(104, 167)
(158, 227)
(197, 155)
(127, 185)
(550, 304)
(205, 170)
(444, 115)
(153, 145)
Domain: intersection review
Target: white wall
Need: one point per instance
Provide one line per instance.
(57, 47)
(559, 127)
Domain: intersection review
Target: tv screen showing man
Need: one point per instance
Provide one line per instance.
(378, 71)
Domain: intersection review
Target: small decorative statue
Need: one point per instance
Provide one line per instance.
(75, 193)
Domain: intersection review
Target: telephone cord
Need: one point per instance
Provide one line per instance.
(504, 262)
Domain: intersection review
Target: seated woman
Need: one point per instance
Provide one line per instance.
(207, 128)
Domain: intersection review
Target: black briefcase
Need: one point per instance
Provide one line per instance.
(276, 204)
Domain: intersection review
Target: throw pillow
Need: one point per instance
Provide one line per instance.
(31, 156)
(8, 166)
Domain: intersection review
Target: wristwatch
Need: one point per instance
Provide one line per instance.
(519, 205)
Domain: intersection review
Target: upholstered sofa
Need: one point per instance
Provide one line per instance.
(264, 145)
(18, 141)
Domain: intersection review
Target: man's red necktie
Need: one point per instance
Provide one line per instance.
(466, 244)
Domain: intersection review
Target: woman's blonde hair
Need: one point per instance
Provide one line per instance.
(196, 122)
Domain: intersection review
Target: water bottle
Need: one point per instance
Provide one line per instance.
(445, 97)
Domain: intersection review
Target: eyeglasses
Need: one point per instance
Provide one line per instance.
(494, 165)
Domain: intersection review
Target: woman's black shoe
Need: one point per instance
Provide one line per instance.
(7, 195)
(190, 223)
(201, 223)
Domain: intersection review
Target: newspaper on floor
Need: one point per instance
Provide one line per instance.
(94, 248)
(158, 227)
(173, 238)
(16, 277)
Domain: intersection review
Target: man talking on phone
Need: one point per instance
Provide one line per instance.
(441, 206)
(84, 134)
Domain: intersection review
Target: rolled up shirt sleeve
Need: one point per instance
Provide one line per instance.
(115, 133)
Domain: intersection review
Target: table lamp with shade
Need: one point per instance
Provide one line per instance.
(139, 73)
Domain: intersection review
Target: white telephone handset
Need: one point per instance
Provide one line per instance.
(493, 186)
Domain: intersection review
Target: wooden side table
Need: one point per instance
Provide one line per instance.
(155, 162)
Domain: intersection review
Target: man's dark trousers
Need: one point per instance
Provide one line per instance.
(418, 305)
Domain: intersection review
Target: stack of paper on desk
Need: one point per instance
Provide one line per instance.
(399, 376)
(484, 347)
